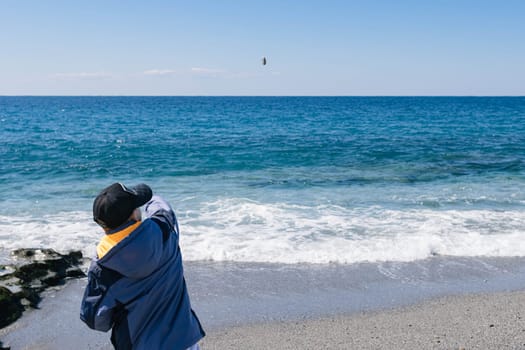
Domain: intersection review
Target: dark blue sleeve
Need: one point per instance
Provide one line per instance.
(98, 307)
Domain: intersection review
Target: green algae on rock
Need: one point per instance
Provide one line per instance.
(33, 271)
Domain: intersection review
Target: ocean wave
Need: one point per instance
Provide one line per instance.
(243, 230)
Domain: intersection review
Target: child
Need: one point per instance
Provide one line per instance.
(136, 283)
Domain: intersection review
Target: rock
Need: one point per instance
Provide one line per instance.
(34, 271)
(11, 283)
(10, 306)
(75, 272)
(6, 270)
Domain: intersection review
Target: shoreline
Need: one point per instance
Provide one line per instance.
(233, 294)
(263, 303)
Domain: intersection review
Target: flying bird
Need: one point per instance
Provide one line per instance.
(264, 61)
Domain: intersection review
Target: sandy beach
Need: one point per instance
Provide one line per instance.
(434, 304)
(485, 321)
(489, 321)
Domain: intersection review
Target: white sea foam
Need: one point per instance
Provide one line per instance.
(242, 230)
(61, 231)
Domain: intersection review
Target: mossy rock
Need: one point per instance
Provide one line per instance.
(34, 270)
(11, 307)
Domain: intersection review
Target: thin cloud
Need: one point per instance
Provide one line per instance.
(201, 70)
(159, 72)
(225, 74)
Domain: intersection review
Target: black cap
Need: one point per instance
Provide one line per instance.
(115, 204)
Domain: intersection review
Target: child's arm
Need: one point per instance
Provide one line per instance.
(161, 212)
(98, 307)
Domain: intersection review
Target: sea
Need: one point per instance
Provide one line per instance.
(286, 180)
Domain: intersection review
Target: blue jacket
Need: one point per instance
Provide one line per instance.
(138, 289)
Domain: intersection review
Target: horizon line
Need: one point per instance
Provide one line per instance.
(96, 95)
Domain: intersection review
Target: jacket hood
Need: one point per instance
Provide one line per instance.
(137, 255)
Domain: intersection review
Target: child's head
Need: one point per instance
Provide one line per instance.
(116, 204)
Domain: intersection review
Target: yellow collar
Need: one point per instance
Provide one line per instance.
(109, 241)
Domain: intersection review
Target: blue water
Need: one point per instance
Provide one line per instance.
(284, 179)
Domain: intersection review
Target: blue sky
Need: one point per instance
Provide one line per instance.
(214, 47)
